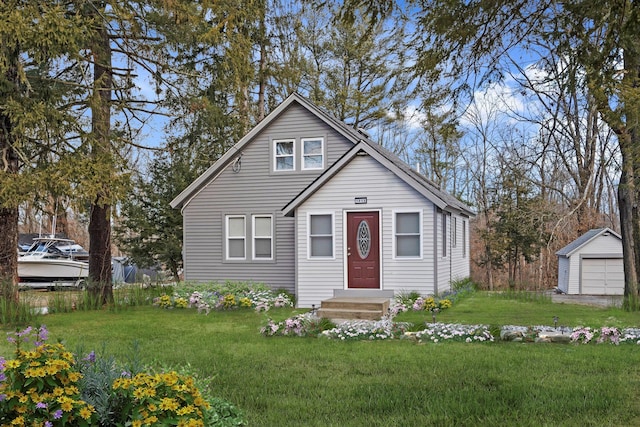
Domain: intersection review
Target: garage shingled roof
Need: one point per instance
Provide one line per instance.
(584, 239)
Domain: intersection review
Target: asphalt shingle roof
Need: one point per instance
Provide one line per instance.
(583, 240)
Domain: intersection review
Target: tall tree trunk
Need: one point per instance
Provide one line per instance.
(626, 202)
(262, 85)
(629, 187)
(262, 71)
(8, 213)
(100, 218)
(8, 251)
(488, 247)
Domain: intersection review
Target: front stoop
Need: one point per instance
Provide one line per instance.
(362, 308)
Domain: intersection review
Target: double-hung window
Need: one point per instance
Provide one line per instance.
(408, 236)
(236, 237)
(312, 153)
(262, 237)
(454, 232)
(284, 155)
(464, 238)
(444, 234)
(320, 236)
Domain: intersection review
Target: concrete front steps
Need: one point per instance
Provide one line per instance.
(356, 304)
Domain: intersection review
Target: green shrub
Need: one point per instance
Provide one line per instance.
(466, 284)
(407, 298)
(99, 372)
(223, 414)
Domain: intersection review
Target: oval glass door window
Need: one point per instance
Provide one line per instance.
(364, 239)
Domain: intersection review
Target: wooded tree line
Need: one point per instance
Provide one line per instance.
(525, 110)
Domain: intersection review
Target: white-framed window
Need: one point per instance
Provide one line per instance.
(236, 238)
(284, 155)
(464, 238)
(312, 153)
(262, 233)
(454, 232)
(320, 235)
(408, 234)
(444, 234)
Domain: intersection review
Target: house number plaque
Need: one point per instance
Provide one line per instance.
(360, 200)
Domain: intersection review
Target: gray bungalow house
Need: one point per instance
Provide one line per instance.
(307, 203)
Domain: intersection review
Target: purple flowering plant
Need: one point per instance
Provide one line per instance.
(38, 386)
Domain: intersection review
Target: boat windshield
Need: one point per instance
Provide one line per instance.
(42, 247)
(45, 247)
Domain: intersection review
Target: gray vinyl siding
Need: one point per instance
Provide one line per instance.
(386, 193)
(459, 257)
(443, 260)
(255, 189)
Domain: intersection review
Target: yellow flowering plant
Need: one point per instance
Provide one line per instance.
(444, 304)
(168, 399)
(181, 302)
(164, 301)
(229, 301)
(430, 303)
(38, 387)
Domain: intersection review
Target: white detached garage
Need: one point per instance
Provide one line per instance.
(592, 264)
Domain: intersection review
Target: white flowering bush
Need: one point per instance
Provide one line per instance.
(383, 329)
(606, 334)
(582, 335)
(577, 335)
(630, 335)
(309, 325)
(438, 332)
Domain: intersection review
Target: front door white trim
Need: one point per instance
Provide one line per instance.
(345, 261)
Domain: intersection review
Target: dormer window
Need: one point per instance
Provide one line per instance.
(312, 153)
(284, 155)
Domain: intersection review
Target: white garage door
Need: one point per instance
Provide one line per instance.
(602, 276)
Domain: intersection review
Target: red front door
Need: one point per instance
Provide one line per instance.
(363, 250)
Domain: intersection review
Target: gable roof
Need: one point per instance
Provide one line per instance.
(361, 143)
(214, 170)
(587, 237)
(389, 160)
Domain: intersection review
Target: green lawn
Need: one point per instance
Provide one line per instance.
(494, 309)
(316, 382)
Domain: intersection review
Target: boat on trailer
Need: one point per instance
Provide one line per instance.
(48, 264)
